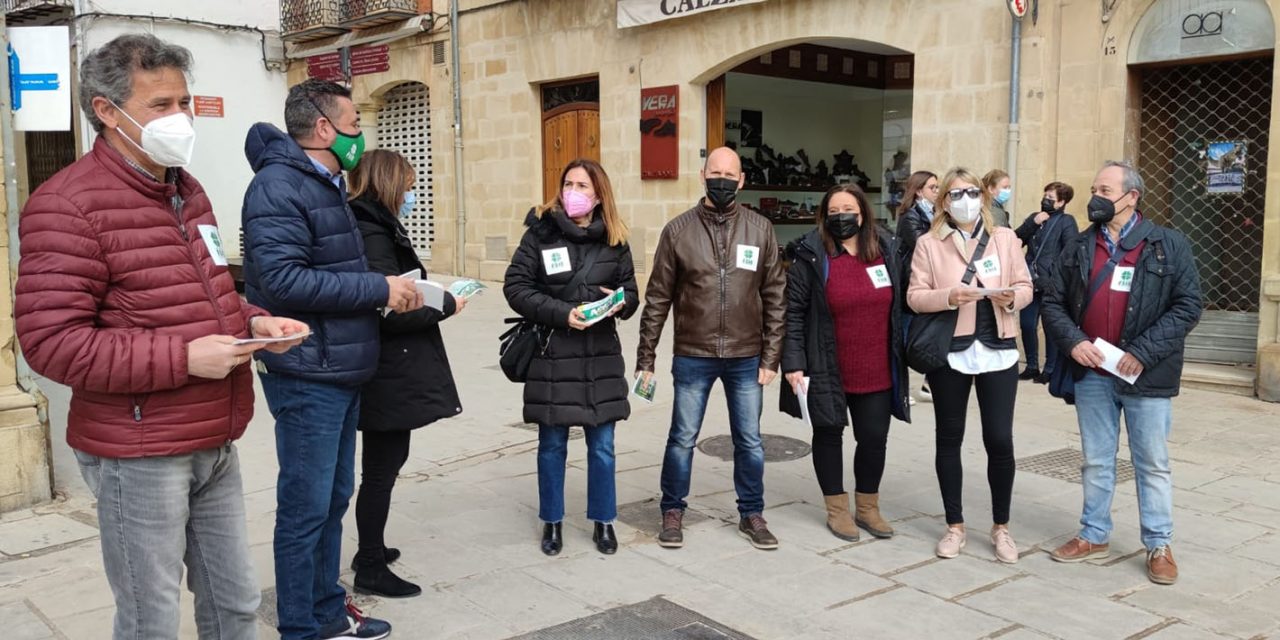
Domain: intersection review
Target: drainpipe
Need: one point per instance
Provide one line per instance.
(1011, 150)
(25, 376)
(459, 264)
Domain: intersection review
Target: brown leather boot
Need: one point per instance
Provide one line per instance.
(838, 519)
(868, 517)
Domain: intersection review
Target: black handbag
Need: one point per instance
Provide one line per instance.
(522, 343)
(929, 339)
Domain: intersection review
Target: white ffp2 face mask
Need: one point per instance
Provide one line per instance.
(966, 210)
(169, 141)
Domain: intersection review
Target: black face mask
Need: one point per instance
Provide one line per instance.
(1046, 206)
(1102, 210)
(843, 226)
(722, 192)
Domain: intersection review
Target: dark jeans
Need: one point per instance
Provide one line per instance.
(316, 450)
(692, 378)
(870, 413)
(553, 448)
(1030, 318)
(997, 392)
(384, 454)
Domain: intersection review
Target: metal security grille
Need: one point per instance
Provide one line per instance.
(1185, 109)
(404, 126)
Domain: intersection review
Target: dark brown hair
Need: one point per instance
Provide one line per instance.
(385, 176)
(915, 183)
(868, 235)
(615, 228)
(1064, 191)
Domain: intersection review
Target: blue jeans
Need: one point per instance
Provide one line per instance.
(692, 378)
(156, 514)
(315, 447)
(1030, 318)
(602, 496)
(1098, 408)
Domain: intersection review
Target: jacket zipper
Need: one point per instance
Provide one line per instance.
(723, 253)
(178, 203)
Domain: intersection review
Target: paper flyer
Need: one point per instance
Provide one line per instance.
(645, 391)
(288, 338)
(600, 309)
(1111, 359)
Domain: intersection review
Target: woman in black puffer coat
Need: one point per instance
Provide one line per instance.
(580, 378)
(413, 386)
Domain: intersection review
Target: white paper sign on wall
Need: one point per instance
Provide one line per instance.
(40, 78)
(633, 13)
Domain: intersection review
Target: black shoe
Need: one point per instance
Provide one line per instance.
(606, 541)
(378, 580)
(1029, 374)
(389, 556)
(551, 541)
(1043, 378)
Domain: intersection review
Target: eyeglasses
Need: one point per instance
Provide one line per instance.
(972, 192)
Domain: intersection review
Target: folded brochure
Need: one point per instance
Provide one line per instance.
(645, 391)
(1111, 355)
(433, 292)
(599, 310)
(288, 338)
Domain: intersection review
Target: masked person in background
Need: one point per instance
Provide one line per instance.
(966, 263)
(414, 386)
(844, 350)
(304, 254)
(123, 294)
(997, 189)
(1044, 235)
(718, 270)
(915, 216)
(575, 251)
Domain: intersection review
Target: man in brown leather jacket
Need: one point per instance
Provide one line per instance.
(717, 267)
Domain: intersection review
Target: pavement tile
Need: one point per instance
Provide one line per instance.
(880, 557)
(753, 613)
(1265, 548)
(1245, 489)
(950, 578)
(1088, 577)
(520, 600)
(21, 622)
(1216, 575)
(908, 614)
(1183, 631)
(33, 534)
(1041, 605)
(607, 582)
(1229, 619)
(1269, 518)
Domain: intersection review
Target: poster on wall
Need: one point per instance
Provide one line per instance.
(1225, 166)
(40, 78)
(660, 133)
(751, 128)
(633, 13)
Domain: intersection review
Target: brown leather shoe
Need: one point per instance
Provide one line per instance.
(1078, 550)
(1161, 569)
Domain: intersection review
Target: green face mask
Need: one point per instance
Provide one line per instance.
(348, 148)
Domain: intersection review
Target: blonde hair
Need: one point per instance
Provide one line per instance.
(385, 176)
(942, 205)
(615, 229)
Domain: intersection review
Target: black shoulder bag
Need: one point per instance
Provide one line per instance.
(519, 345)
(929, 340)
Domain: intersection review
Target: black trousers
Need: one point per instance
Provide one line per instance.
(870, 415)
(997, 392)
(385, 453)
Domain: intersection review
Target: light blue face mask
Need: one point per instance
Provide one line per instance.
(406, 207)
(1003, 196)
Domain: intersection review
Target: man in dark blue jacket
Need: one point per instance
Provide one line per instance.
(1128, 286)
(304, 257)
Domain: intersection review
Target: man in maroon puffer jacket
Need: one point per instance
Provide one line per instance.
(123, 294)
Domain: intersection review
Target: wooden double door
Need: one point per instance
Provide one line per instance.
(569, 132)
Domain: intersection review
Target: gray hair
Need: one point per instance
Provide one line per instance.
(1131, 180)
(108, 70)
(307, 102)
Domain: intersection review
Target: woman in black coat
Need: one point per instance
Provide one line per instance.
(844, 333)
(413, 386)
(915, 215)
(579, 379)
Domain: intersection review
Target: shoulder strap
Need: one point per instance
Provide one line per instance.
(972, 269)
(1102, 276)
(587, 263)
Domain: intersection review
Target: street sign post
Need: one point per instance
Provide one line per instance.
(39, 78)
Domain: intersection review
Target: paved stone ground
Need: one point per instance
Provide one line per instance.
(465, 516)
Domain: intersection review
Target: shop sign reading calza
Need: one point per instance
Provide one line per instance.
(633, 13)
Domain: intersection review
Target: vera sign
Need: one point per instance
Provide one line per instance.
(660, 133)
(633, 13)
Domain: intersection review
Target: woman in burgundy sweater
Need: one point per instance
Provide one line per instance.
(844, 290)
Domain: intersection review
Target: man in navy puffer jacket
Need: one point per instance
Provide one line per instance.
(304, 256)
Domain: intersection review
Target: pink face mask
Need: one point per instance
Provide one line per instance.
(576, 203)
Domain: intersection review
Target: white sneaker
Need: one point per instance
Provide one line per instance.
(1006, 549)
(925, 394)
(951, 543)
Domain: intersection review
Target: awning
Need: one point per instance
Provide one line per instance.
(633, 13)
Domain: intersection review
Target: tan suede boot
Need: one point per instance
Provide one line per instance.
(838, 519)
(868, 506)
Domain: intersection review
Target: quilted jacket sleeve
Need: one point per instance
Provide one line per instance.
(625, 277)
(62, 280)
(799, 290)
(1168, 334)
(279, 238)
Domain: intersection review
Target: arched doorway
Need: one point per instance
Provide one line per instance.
(404, 126)
(1204, 71)
(809, 115)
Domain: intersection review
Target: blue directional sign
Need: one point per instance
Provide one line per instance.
(20, 82)
(40, 78)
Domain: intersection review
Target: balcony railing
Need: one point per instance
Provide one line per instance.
(18, 12)
(362, 14)
(304, 20)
